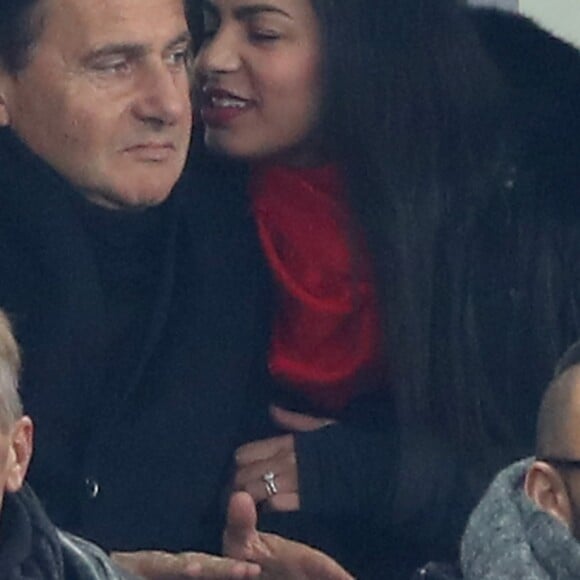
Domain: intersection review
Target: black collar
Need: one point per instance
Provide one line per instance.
(29, 546)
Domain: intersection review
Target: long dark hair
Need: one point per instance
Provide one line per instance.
(411, 111)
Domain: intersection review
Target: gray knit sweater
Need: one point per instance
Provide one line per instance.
(508, 536)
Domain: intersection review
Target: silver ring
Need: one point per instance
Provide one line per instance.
(269, 478)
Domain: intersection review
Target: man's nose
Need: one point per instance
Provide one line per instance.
(164, 95)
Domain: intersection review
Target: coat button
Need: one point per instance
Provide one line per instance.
(92, 487)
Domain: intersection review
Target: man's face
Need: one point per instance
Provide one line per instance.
(570, 448)
(15, 452)
(105, 97)
(566, 445)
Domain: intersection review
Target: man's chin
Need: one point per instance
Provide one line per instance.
(141, 195)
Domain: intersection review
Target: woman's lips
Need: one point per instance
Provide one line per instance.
(220, 107)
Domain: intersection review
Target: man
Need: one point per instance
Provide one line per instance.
(30, 546)
(528, 523)
(134, 298)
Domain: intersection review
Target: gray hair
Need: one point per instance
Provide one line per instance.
(10, 404)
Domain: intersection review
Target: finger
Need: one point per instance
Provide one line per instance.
(285, 483)
(283, 502)
(241, 538)
(185, 566)
(263, 449)
(290, 560)
(240, 532)
(292, 421)
(242, 517)
(157, 565)
(284, 462)
(227, 569)
(251, 479)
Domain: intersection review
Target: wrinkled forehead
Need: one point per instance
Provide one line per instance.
(81, 23)
(567, 421)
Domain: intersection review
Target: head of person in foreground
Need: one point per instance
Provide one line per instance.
(15, 428)
(553, 479)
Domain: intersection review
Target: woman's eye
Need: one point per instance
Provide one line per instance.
(263, 35)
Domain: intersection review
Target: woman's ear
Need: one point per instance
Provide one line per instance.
(20, 453)
(546, 488)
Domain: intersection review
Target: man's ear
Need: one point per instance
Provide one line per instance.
(546, 488)
(20, 453)
(4, 116)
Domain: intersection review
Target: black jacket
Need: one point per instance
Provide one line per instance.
(31, 548)
(143, 462)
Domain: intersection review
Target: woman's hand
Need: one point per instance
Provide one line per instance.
(267, 469)
(154, 565)
(279, 558)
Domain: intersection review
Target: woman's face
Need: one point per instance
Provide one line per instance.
(258, 79)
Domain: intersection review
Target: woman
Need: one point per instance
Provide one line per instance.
(372, 135)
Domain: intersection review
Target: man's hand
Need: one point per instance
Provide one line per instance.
(277, 456)
(279, 558)
(153, 565)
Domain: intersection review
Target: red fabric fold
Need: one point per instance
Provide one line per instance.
(326, 334)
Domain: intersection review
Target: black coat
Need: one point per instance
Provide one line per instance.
(31, 548)
(145, 465)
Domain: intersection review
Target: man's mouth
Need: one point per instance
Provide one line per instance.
(153, 151)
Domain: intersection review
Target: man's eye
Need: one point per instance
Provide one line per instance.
(117, 66)
(179, 57)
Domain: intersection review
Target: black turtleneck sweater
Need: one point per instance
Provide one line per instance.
(129, 249)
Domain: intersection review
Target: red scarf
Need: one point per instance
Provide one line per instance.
(326, 334)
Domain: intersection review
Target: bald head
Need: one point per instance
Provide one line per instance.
(558, 429)
(552, 481)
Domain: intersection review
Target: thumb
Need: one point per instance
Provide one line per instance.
(241, 531)
(292, 421)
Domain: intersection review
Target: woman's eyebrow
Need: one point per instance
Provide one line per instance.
(245, 11)
(249, 10)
